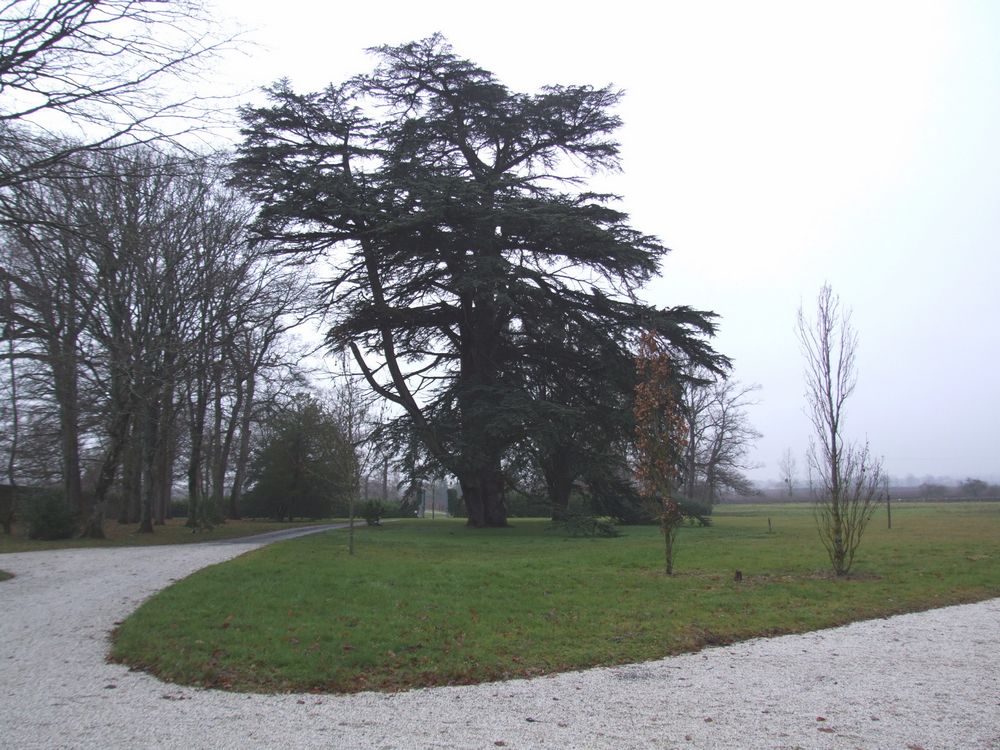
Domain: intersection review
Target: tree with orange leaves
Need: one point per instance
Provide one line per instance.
(661, 435)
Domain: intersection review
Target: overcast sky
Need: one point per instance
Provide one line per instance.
(772, 147)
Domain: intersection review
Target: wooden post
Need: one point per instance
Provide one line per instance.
(350, 524)
(888, 502)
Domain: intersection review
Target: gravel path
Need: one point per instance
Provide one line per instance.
(921, 681)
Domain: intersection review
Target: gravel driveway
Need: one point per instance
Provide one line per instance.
(920, 681)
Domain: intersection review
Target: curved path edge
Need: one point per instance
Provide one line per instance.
(925, 680)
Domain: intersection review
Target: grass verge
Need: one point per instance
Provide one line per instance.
(432, 603)
(173, 532)
(5, 576)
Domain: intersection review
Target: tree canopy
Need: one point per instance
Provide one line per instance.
(468, 258)
(305, 467)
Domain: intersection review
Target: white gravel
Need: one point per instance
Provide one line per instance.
(920, 681)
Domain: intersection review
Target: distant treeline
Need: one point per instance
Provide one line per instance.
(969, 490)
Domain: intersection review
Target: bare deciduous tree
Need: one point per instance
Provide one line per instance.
(133, 300)
(845, 477)
(719, 436)
(96, 69)
(787, 467)
(361, 417)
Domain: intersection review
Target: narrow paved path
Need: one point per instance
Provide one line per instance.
(928, 680)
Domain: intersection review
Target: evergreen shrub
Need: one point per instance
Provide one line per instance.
(48, 516)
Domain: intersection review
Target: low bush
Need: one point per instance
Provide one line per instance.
(583, 525)
(7, 503)
(456, 505)
(373, 511)
(48, 516)
(527, 505)
(695, 512)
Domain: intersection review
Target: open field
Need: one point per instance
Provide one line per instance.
(173, 532)
(433, 602)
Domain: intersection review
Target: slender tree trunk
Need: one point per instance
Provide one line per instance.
(224, 443)
(836, 503)
(216, 472)
(122, 402)
(199, 408)
(669, 536)
(691, 468)
(64, 377)
(132, 473)
(150, 452)
(670, 521)
(165, 442)
(7, 513)
(385, 479)
(164, 478)
(117, 435)
(243, 449)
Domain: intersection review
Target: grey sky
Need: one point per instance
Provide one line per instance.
(772, 146)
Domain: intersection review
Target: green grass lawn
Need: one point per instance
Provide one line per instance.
(430, 603)
(173, 532)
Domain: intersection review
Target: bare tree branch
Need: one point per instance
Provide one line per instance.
(98, 74)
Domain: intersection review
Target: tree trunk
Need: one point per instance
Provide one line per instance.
(197, 422)
(385, 480)
(93, 527)
(223, 446)
(483, 492)
(131, 476)
(559, 478)
(150, 451)
(559, 498)
(669, 536)
(691, 466)
(164, 467)
(109, 467)
(164, 479)
(216, 472)
(123, 402)
(7, 511)
(243, 451)
(64, 376)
